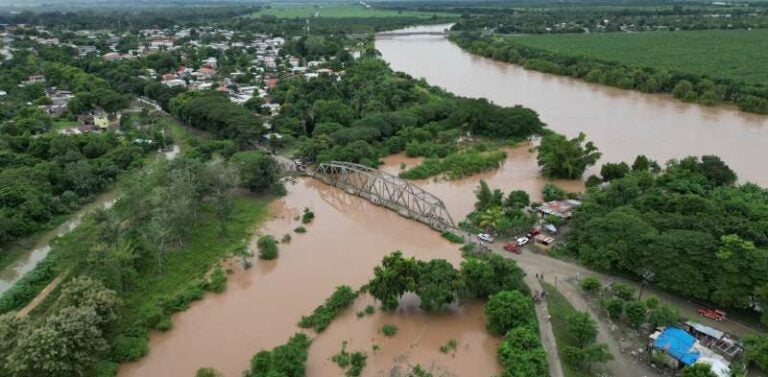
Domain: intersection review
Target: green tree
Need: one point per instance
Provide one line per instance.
(65, 345)
(635, 313)
(437, 283)
(506, 310)
(591, 284)
(611, 171)
(664, 315)
(563, 158)
(396, 276)
(756, 349)
(698, 370)
(517, 199)
(521, 354)
(582, 328)
(614, 307)
(258, 171)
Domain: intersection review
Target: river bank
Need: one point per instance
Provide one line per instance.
(622, 123)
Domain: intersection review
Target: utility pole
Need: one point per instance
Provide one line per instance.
(647, 276)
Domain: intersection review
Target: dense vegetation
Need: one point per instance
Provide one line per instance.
(373, 112)
(322, 316)
(498, 213)
(509, 310)
(610, 17)
(691, 211)
(44, 174)
(437, 283)
(285, 360)
(687, 65)
(152, 252)
(576, 334)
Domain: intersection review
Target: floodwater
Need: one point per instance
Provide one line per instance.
(262, 305)
(622, 123)
(349, 236)
(518, 172)
(25, 263)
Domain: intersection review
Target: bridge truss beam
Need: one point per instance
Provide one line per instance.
(387, 190)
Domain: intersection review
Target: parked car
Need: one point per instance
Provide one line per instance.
(522, 241)
(533, 232)
(714, 314)
(512, 248)
(485, 237)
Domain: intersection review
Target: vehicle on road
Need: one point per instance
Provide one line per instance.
(533, 232)
(714, 314)
(485, 237)
(512, 248)
(522, 241)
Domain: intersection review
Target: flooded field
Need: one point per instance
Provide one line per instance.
(518, 172)
(262, 305)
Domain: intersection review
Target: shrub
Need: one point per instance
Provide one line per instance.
(207, 372)
(551, 192)
(635, 313)
(591, 284)
(300, 229)
(449, 346)
(452, 237)
(664, 315)
(286, 238)
(389, 330)
(652, 302)
(285, 360)
(218, 281)
(614, 307)
(308, 216)
(506, 310)
(129, 348)
(267, 247)
(623, 291)
(165, 324)
(370, 309)
(322, 316)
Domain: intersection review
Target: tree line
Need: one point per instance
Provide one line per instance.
(688, 225)
(751, 97)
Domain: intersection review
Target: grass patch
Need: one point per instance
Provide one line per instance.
(728, 54)
(452, 237)
(559, 309)
(205, 248)
(456, 165)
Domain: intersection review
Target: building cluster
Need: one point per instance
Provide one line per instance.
(692, 343)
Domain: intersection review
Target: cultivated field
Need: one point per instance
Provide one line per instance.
(734, 54)
(338, 11)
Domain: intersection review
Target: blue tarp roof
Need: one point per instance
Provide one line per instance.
(677, 343)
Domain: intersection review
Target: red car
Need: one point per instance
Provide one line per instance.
(512, 248)
(533, 233)
(717, 315)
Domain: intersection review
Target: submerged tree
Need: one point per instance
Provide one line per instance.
(566, 158)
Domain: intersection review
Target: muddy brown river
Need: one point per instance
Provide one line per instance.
(261, 306)
(622, 123)
(349, 236)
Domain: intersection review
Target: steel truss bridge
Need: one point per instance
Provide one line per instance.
(386, 190)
